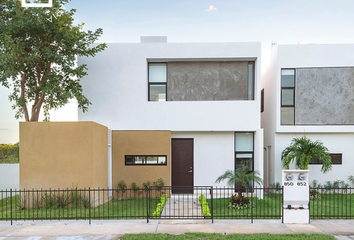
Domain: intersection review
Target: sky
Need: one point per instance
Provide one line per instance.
(281, 21)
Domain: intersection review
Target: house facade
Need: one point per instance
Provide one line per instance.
(183, 112)
(309, 90)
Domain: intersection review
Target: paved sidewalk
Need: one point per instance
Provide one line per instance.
(114, 229)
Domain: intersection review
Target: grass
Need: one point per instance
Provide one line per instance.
(268, 207)
(9, 159)
(196, 236)
(339, 206)
(132, 208)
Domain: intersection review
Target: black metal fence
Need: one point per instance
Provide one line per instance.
(331, 203)
(164, 202)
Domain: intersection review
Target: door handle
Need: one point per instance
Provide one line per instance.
(190, 171)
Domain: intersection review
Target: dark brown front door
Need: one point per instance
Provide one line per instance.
(182, 165)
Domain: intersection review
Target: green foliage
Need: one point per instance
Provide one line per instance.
(219, 236)
(351, 179)
(242, 177)
(302, 150)
(122, 186)
(146, 184)
(205, 207)
(9, 153)
(159, 184)
(240, 203)
(38, 57)
(160, 206)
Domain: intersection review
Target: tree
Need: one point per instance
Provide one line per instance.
(242, 177)
(38, 50)
(302, 150)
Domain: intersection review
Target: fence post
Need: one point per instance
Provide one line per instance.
(282, 204)
(11, 203)
(89, 206)
(252, 205)
(212, 205)
(147, 204)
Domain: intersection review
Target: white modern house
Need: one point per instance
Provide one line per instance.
(309, 89)
(206, 95)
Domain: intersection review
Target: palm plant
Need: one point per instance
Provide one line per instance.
(302, 150)
(242, 177)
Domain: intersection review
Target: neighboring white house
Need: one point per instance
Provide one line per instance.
(205, 93)
(309, 89)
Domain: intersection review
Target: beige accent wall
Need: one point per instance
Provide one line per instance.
(63, 154)
(140, 143)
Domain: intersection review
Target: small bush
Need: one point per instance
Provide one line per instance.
(160, 206)
(146, 185)
(351, 179)
(204, 205)
(240, 203)
(159, 184)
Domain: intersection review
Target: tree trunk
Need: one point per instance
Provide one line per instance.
(239, 191)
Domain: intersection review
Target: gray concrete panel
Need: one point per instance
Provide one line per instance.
(207, 81)
(324, 96)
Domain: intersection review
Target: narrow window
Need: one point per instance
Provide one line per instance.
(145, 160)
(244, 151)
(157, 81)
(250, 84)
(287, 113)
(335, 157)
(262, 100)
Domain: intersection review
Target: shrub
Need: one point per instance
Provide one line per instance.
(240, 202)
(351, 179)
(160, 206)
(146, 185)
(159, 184)
(135, 188)
(204, 205)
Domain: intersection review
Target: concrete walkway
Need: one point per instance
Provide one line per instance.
(114, 229)
(182, 206)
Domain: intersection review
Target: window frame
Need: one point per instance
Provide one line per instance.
(156, 83)
(262, 100)
(331, 154)
(281, 96)
(253, 78)
(244, 152)
(144, 164)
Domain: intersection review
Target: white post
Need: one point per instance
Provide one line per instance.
(110, 162)
(296, 196)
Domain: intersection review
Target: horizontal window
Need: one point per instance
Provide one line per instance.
(145, 160)
(336, 159)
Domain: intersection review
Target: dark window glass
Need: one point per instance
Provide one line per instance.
(145, 160)
(336, 159)
(262, 100)
(287, 111)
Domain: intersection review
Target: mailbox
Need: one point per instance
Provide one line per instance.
(296, 196)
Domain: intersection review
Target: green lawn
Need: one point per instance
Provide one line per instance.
(326, 206)
(205, 236)
(133, 208)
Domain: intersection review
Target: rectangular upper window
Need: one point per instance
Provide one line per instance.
(157, 81)
(287, 94)
(201, 81)
(336, 159)
(145, 160)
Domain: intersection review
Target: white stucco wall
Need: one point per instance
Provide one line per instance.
(338, 138)
(117, 86)
(9, 177)
(214, 153)
(335, 142)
